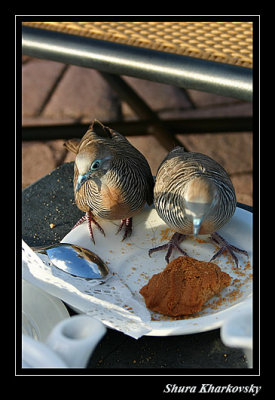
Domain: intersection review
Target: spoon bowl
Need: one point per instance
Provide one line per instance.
(75, 260)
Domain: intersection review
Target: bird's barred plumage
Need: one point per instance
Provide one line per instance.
(176, 171)
(122, 189)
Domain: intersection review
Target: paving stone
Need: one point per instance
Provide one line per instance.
(202, 99)
(232, 150)
(158, 96)
(37, 161)
(38, 79)
(42, 121)
(58, 150)
(82, 93)
(69, 157)
(243, 185)
(151, 149)
(230, 110)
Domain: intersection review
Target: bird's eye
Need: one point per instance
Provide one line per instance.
(95, 165)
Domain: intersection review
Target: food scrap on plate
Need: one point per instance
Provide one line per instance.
(184, 286)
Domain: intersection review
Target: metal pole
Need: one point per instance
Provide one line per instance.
(115, 58)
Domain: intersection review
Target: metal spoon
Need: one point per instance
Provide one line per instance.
(75, 260)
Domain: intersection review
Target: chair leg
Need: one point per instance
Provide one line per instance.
(162, 134)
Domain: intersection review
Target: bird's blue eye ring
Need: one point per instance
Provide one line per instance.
(95, 165)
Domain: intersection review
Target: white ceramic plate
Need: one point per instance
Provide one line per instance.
(131, 261)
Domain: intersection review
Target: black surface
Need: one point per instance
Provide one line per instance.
(50, 201)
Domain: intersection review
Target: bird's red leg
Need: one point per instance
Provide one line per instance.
(128, 227)
(89, 217)
(224, 245)
(173, 243)
(80, 221)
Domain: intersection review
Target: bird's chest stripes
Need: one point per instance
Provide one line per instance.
(174, 215)
(169, 209)
(113, 201)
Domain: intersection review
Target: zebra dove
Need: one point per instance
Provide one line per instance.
(112, 179)
(193, 194)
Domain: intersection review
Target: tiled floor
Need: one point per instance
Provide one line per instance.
(55, 93)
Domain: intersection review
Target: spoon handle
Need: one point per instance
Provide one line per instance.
(42, 249)
(39, 249)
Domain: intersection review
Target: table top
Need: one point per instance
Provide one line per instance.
(51, 201)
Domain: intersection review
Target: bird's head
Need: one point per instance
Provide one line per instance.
(92, 164)
(199, 197)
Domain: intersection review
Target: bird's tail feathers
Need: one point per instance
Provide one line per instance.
(178, 148)
(72, 145)
(100, 130)
(170, 154)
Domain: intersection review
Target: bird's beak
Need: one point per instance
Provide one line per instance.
(80, 180)
(196, 225)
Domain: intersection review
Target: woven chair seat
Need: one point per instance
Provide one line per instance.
(225, 42)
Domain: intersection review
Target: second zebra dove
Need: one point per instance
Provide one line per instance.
(193, 194)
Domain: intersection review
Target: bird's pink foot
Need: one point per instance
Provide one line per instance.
(173, 243)
(127, 222)
(224, 245)
(89, 217)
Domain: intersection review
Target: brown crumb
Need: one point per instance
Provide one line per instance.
(166, 233)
